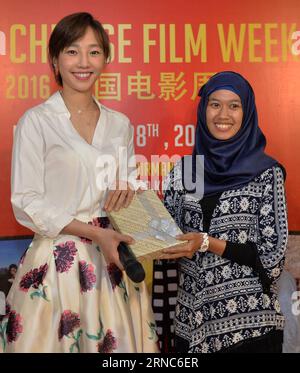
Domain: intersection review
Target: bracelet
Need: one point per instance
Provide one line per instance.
(205, 243)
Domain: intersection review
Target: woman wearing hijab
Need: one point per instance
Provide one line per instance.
(237, 233)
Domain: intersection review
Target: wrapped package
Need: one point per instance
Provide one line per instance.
(149, 223)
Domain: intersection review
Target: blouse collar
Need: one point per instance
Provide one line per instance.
(56, 104)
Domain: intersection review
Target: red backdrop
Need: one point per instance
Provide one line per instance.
(163, 52)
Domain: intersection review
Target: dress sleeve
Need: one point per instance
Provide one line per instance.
(272, 223)
(241, 253)
(173, 190)
(266, 257)
(247, 254)
(169, 194)
(174, 193)
(30, 204)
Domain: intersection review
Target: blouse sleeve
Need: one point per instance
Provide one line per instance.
(29, 201)
(173, 193)
(272, 223)
(131, 161)
(169, 194)
(247, 254)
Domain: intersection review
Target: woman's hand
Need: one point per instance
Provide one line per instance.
(188, 249)
(108, 241)
(120, 197)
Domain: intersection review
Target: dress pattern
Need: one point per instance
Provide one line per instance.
(69, 292)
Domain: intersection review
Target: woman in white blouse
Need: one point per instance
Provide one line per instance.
(70, 294)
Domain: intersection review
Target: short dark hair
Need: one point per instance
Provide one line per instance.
(71, 28)
(12, 266)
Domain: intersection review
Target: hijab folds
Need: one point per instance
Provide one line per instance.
(231, 163)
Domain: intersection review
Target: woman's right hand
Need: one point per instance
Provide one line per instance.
(108, 241)
(188, 249)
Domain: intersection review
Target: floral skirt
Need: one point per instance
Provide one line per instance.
(65, 298)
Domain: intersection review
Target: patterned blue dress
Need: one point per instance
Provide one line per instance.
(219, 302)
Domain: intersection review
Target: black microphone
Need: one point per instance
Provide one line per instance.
(133, 268)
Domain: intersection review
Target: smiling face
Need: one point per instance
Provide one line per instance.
(81, 63)
(224, 114)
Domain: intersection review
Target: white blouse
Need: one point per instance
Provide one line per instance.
(56, 174)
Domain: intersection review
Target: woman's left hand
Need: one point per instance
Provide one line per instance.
(188, 249)
(119, 197)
